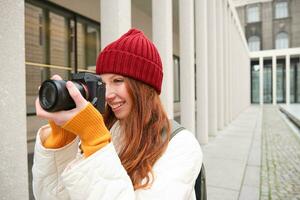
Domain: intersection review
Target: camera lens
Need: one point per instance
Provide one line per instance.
(54, 95)
(48, 95)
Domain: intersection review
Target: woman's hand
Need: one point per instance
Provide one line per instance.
(61, 117)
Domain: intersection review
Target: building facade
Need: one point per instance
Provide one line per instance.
(203, 49)
(272, 30)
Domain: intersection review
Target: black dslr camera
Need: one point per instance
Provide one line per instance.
(54, 95)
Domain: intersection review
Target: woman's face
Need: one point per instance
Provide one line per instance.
(117, 96)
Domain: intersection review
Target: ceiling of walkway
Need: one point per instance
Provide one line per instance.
(146, 6)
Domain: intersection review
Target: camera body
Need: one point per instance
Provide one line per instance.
(54, 96)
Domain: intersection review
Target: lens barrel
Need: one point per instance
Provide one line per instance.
(54, 95)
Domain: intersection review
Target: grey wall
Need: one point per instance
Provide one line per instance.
(295, 23)
(267, 19)
(13, 151)
(268, 27)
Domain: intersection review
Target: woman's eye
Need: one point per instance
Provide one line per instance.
(118, 80)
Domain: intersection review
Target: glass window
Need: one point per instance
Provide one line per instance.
(281, 10)
(267, 81)
(282, 40)
(176, 79)
(254, 43)
(253, 13)
(50, 36)
(59, 45)
(280, 81)
(88, 45)
(255, 82)
(295, 80)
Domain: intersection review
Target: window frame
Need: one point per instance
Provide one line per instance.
(276, 40)
(248, 9)
(259, 44)
(276, 11)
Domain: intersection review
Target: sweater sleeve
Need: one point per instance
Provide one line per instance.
(89, 125)
(58, 138)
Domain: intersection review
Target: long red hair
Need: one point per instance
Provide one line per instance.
(145, 132)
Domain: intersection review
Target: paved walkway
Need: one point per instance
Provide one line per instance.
(280, 159)
(232, 158)
(256, 157)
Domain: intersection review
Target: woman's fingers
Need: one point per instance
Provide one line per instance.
(56, 77)
(76, 95)
(40, 111)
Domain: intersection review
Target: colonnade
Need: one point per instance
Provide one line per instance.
(210, 36)
(274, 55)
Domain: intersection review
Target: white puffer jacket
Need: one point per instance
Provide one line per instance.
(64, 174)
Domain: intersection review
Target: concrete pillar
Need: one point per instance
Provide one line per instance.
(274, 79)
(220, 64)
(230, 62)
(212, 72)
(13, 151)
(261, 80)
(202, 70)
(187, 63)
(225, 60)
(162, 38)
(115, 19)
(227, 55)
(287, 62)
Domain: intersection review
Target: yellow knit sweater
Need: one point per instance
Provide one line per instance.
(88, 124)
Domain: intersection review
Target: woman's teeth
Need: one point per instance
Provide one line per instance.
(116, 105)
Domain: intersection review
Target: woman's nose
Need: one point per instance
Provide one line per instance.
(110, 93)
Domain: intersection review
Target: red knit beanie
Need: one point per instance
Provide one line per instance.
(132, 55)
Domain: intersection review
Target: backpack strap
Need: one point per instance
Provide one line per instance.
(175, 128)
(200, 184)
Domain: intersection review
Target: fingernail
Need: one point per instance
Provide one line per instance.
(69, 84)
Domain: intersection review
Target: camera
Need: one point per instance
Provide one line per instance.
(54, 96)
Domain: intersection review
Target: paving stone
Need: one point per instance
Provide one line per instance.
(280, 170)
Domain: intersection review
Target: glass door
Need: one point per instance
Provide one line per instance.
(280, 77)
(268, 81)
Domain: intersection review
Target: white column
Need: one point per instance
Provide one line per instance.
(162, 38)
(13, 143)
(227, 55)
(202, 70)
(261, 80)
(212, 81)
(187, 63)
(115, 19)
(230, 63)
(225, 60)
(287, 62)
(220, 64)
(274, 84)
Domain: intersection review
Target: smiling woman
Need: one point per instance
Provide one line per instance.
(117, 95)
(127, 152)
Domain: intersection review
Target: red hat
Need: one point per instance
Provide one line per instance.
(132, 55)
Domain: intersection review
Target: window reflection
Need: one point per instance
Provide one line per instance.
(281, 10)
(282, 40)
(255, 82)
(176, 79)
(254, 43)
(253, 13)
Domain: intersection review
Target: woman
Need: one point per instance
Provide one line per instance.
(126, 153)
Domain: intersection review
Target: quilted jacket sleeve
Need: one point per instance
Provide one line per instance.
(48, 166)
(100, 176)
